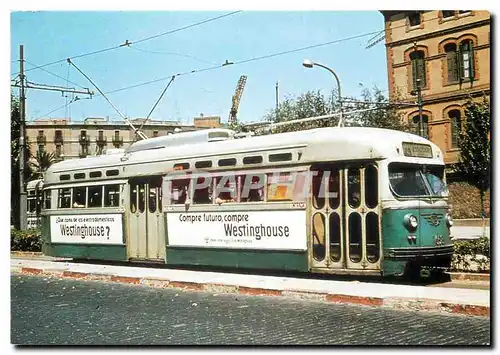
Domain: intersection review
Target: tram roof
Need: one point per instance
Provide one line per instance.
(320, 144)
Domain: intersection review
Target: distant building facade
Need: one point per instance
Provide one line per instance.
(94, 136)
(448, 52)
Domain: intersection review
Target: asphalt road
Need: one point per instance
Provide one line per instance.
(47, 311)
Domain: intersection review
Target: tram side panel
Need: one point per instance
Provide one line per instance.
(244, 234)
(85, 232)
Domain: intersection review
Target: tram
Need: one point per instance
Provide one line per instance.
(34, 190)
(348, 200)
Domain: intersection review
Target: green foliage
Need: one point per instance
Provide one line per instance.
(29, 240)
(313, 103)
(43, 160)
(469, 252)
(474, 144)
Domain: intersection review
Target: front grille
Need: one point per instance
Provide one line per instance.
(426, 252)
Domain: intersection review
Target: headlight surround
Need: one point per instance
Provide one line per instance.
(410, 222)
(449, 220)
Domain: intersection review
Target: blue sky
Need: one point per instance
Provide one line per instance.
(51, 36)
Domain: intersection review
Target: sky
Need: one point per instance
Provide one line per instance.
(50, 36)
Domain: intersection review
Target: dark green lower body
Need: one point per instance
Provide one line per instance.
(95, 252)
(249, 259)
(398, 261)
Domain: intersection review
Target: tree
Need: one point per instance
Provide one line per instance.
(42, 161)
(382, 113)
(475, 151)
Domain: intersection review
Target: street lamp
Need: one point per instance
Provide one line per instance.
(309, 64)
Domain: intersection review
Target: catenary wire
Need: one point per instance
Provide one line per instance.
(131, 42)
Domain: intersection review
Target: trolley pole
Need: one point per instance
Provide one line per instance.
(22, 113)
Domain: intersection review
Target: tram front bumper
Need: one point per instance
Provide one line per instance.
(435, 256)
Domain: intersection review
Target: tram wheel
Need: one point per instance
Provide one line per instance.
(412, 272)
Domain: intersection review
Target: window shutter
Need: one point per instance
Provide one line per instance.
(421, 71)
(452, 61)
(471, 61)
(414, 73)
(460, 64)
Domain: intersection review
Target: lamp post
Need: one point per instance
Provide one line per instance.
(309, 64)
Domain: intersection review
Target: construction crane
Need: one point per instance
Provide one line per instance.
(236, 99)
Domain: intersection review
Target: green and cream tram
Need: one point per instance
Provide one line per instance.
(327, 200)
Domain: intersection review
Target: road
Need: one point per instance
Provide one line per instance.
(47, 311)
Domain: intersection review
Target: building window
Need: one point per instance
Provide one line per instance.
(58, 151)
(456, 127)
(466, 59)
(415, 122)
(414, 19)
(448, 13)
(463, 12)
(451, 62)
(418, 68)
(155, 133)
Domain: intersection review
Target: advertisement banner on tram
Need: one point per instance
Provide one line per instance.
(273, 230)
(87, 229)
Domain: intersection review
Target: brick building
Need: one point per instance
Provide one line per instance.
(449, 52)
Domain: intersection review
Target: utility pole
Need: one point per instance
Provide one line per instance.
(277, 101)
(24, 84)
(22, 113)
(420, 104)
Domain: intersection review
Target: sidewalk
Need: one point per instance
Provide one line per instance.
(436, 299)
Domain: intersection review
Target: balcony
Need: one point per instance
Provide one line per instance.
(117, 141)
(84, 140)
(41, 139)
(101, 140)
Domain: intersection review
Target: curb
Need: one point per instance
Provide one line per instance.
(469, 276)
(389, 302)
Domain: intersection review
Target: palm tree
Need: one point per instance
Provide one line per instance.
(42, 161)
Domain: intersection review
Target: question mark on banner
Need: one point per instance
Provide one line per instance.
(107, 228)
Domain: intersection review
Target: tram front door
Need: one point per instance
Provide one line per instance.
(345, 223)
(146, 227)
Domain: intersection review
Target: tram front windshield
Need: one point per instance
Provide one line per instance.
(417, 180)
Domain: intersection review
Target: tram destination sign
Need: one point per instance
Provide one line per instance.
(270, 230)
(87, 229)
(417, 150)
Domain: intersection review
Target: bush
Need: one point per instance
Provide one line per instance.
(29, 240)
(470, 253)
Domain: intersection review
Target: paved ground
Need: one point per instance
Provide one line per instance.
(60, 311)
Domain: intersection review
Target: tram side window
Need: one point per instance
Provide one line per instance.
(79, 196)
(111, 195)
(226, 188)
(133, 198)
(31, 204)
(179, 191)
(94, 196)
(64, 198)
(252, 188)
(280, 186)
(202, 193)
(46, 199)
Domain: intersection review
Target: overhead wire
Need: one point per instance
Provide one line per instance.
(127, 43)
(57, 76)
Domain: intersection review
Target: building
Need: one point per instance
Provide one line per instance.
(94, 136)
(447, 53)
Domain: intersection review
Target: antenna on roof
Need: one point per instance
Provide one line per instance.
(140, 134)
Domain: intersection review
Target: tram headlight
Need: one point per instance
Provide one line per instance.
(449, 220)
(411, 222)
